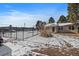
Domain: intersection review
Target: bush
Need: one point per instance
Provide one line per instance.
(45, 33)
(1, 40)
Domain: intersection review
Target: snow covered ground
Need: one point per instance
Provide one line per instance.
(5, 51)
(20, 48)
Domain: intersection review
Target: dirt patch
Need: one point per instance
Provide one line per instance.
(69, 34)
(65, 51)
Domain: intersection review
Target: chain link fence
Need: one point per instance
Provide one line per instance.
(19, 34)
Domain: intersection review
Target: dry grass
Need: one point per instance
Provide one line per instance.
(45, 33)
(59, 51)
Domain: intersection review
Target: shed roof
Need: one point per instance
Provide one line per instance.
(51, 24)
(59, 24)
(64, 24)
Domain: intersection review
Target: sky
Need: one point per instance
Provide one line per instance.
(16, 14)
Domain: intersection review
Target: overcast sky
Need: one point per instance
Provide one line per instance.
(19, 13)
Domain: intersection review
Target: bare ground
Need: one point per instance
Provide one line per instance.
(59, 51)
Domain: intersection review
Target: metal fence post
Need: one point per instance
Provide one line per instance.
(3, 33)
(32, 31)
(23, 31)
(16, 33)
(10, 29)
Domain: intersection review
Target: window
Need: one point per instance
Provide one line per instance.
(60, 28)
(53, 29)
(71, 27)
(78, 29)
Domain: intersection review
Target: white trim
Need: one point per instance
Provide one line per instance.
(59, 24)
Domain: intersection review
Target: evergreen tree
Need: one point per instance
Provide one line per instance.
(51, 20)
(40, 25)
(73, 11)
(62, 19)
